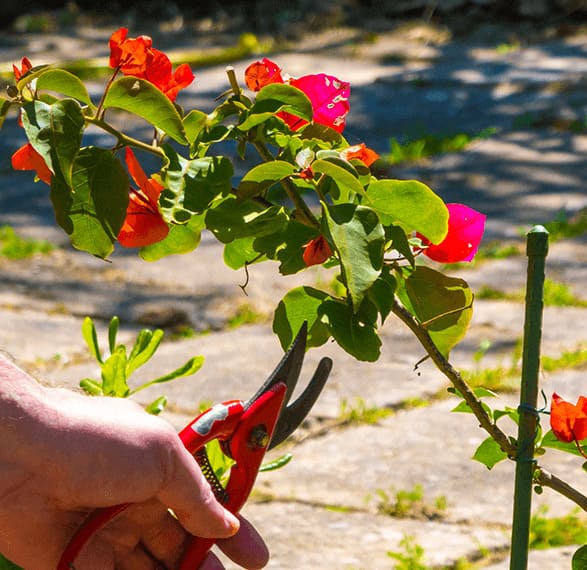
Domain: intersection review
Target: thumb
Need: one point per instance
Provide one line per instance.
(190, 497)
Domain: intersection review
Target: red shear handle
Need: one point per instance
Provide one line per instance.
(248, 446)
(219, 421)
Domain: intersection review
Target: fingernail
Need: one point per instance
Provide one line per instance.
(231, 521)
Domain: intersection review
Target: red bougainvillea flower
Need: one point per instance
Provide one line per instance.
(143, 224)
(261, 73)
(329, 95)
(159, 73)
(316, 251)
(137, 57)
(465, 230)
(360, 151)
(25, 65)
(129, 55)
(27, 158)
(568, 421)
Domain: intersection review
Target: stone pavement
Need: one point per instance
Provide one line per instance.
(320, 511)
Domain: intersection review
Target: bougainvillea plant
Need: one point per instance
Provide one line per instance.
(307, 198)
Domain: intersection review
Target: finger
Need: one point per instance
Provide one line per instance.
(211, 562)
(160, 532)
(246, 548)
(190, 497)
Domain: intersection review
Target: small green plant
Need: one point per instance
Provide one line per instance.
(13, 246)
(360, 413)
(558, 294)
(430, 145)
(245, 315)
(563, 227)
(410, 503)
(550, 532)
(568, 359)
(506, 48)
(121, 364)
(411, 557)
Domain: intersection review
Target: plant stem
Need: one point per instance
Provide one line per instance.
(541, 476)
(305, 214)
(100, 110)
(455, 377)
(547, 479)
(125, 140)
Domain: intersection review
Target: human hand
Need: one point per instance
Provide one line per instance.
(65, 454)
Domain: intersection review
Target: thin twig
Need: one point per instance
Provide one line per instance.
(542, 476)
(547, 479)
(456, 379)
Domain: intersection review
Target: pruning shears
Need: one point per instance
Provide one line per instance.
(246, 430)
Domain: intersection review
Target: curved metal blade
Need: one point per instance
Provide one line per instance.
(288, 370)
(293, 415)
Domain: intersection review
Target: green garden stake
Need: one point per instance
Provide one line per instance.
(536, 250)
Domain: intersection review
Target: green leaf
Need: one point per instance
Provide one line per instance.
(145, 346)
(5, 564)
(358, 338)
(263, 176)
(240, 252)
(489, 453)
(411, 205)
(91, 387)
(180, 239)
(400, 243)
(4, 108)
(286, 246)
(64, 82)
(442, 304)
(276, 464)
(157, 406)
(274, 98)
(91, 337)
(114, 376)
(359, 239)
(348, 185)
(550, 440)
(579, 561)
(193, 123)
(191, 185)
(381, 293)
(112, 332)
(55, 131)
(93, 209)
(298, 306)
(231, 219)
(143, 99)
(190, 367)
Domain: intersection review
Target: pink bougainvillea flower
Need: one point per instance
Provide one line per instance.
(568, 421)
(27, 158)
(25, 65)
(136, 57)
(328, 94)
(329, 97)
(465, 230)
(143, 224)
(360, 151)
(316, 251)
(261, 73)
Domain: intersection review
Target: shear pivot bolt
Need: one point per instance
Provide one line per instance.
(259, 438)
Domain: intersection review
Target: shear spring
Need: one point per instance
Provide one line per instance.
(219, 491)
